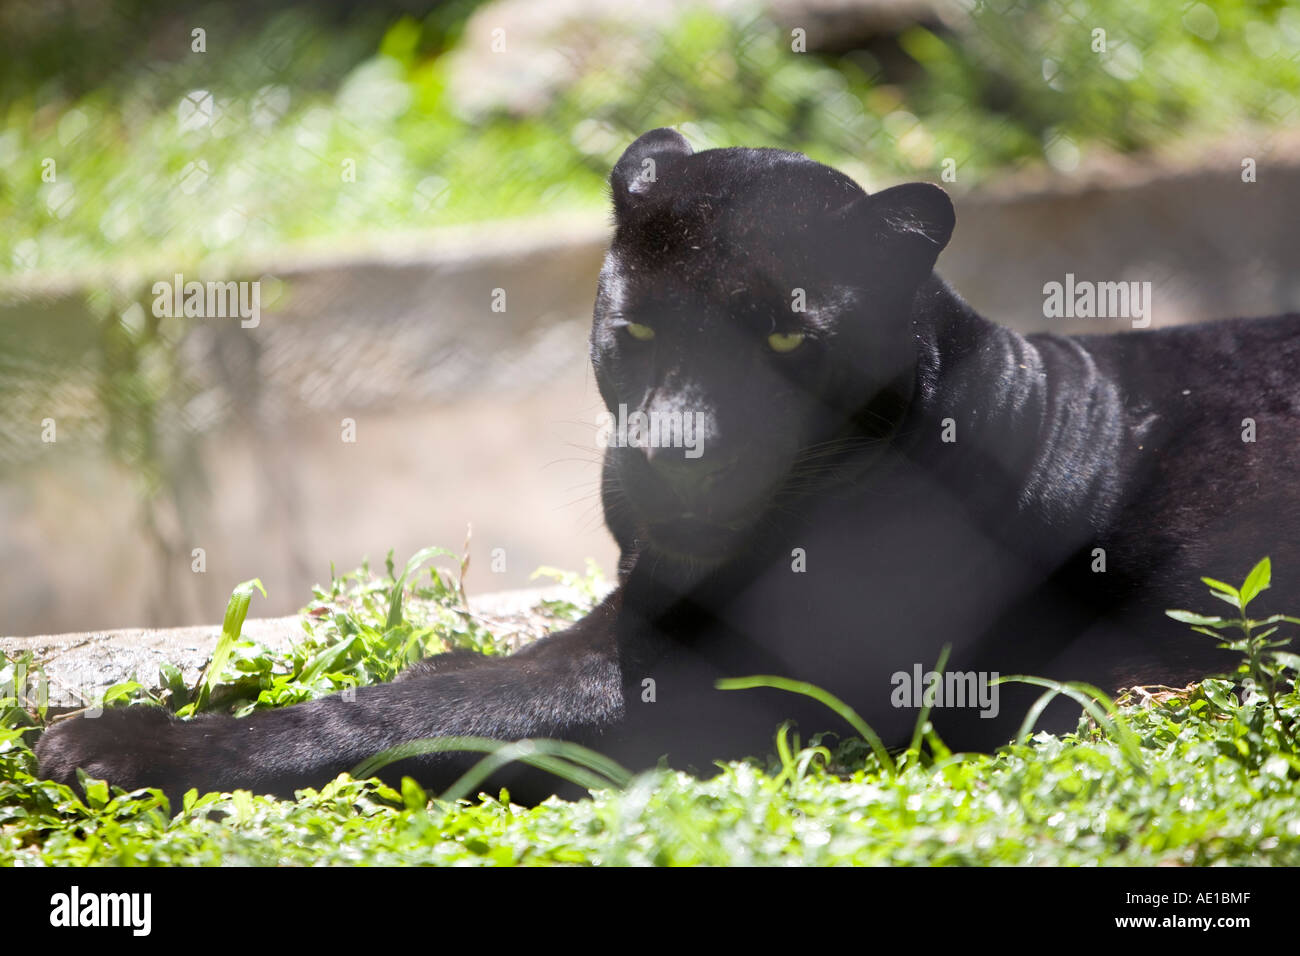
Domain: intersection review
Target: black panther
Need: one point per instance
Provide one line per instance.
(880, 473)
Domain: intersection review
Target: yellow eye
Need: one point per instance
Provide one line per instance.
(642, 333)
(783, 342)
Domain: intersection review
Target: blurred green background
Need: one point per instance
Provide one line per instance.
(141, 138)
(286, 93)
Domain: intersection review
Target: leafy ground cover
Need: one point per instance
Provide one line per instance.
(1208, 774)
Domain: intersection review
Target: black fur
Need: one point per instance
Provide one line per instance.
(1130, 442)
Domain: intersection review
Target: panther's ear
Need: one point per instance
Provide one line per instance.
(640, 166)
(909, 226)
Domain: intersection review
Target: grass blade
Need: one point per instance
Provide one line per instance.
(231, 627)
(823, 697)
(395, 596)
(915, 746)
(1098, 706)
(564, 759)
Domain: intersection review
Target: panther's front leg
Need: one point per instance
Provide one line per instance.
(567, 685)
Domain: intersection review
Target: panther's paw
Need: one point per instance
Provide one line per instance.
(130, 747)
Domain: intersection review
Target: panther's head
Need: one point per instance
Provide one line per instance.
(752, 316)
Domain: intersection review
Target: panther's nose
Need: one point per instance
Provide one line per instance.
(687, 475)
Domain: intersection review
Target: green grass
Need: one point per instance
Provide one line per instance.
(1207, 775)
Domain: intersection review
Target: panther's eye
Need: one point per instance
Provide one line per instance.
(783, 342)
(642, 333)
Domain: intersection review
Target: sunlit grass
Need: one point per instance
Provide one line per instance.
(1204, 775)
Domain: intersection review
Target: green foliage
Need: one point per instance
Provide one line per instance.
(293, 98)
(588, 589)
(1054, 801)
(1036, 79)
(231, 627)
(829, 700)
(19, 716)
(1096, 705)
(1189, 778)
(566, 760)
(1264, 669)
(362, 629)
